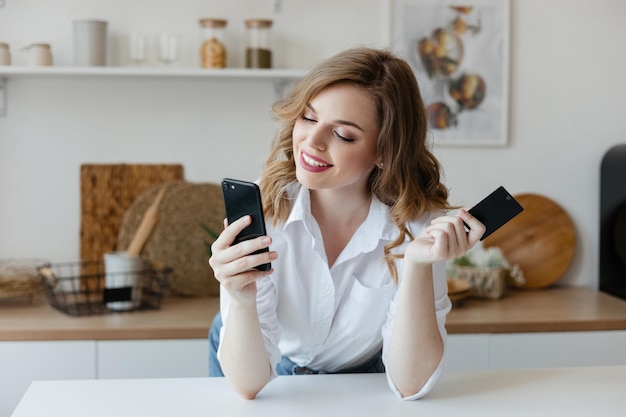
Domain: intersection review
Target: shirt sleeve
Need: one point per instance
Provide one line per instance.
(442, 307)
(266, 308)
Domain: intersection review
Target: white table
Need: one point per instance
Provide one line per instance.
(585, 391)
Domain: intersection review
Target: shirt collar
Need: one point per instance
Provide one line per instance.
(377, 225)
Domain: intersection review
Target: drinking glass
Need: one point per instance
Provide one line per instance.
(168, 48)
(137, 48)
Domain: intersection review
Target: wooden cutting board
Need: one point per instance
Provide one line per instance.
(107, 191)
(541, 240)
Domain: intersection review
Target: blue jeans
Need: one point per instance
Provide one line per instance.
(285, 366)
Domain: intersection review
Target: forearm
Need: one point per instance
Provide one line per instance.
(416, 347)
(244, 360)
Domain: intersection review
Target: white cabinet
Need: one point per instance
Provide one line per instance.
(535, 350)
(549, 350)
(153, 358)
(466, 352)
(23, 362)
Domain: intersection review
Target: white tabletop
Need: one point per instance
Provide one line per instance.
(588, 391)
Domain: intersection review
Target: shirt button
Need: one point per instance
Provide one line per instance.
(329, 290)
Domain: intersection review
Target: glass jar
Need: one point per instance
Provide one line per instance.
(5, 54)
(213, 51)
(258, 50)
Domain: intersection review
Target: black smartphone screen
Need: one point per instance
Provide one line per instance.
(242, 198)
(495, 210)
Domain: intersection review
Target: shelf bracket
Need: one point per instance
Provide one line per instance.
(3, 97)
(277, 5)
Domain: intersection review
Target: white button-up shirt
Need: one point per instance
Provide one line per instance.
(337, 318)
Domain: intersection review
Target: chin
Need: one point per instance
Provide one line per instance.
(304, 178)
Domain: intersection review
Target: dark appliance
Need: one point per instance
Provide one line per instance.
(613, 221)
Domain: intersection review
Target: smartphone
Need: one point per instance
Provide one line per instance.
(495, 210)
(243, 198)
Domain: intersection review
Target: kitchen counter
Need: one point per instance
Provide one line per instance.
(546, 310)
(520, 392)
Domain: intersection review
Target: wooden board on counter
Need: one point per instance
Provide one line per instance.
(541, 240)
(107, 191)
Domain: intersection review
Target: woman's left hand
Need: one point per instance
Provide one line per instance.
(445, 238)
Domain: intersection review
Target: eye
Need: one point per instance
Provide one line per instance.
(342, 138)
(307, 118)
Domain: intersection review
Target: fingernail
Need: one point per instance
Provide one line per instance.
(266, 240)
(273, 255)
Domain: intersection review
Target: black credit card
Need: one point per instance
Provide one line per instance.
(495, 210)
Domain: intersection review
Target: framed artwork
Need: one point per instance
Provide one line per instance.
(460, 55)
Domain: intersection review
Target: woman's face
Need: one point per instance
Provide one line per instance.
(334, 140)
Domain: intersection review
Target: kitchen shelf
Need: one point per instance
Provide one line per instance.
(278, 77)
(270, 74)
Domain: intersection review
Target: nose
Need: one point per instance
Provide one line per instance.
(317, 137)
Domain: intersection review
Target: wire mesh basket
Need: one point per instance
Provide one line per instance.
(84, 288)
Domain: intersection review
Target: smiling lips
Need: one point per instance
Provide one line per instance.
(313, 164)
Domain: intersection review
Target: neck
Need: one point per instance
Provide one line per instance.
(340, 206)
(338, 214)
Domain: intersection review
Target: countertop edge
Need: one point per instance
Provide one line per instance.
(550, 310)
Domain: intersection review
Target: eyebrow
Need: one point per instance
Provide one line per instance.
(339, 121)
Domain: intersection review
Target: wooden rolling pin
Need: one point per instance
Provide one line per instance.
(149, 220)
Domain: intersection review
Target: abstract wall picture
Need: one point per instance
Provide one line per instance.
(460, 55)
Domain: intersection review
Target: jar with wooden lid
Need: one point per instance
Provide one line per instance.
(258, 50)
(213, 50)
(5, 54)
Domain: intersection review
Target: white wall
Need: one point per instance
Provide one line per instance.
(567, 104)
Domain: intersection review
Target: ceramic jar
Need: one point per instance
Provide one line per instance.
(39, 55)
(5, 54)
(90, 42)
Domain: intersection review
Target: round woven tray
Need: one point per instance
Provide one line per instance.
(178, 239)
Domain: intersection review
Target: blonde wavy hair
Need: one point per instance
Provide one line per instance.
(410, 181)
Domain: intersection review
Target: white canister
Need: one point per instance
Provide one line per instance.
(39, 55)
(123, 280)
(5, 54)
(90, 43)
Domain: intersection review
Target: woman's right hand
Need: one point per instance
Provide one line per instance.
(233, 265)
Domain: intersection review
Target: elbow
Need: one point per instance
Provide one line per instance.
(248, 387)
(414, 384)
(248, 394)
(247, 391)
(247, 384)
(409, 390)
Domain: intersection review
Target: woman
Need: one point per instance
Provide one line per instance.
(357, 239)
